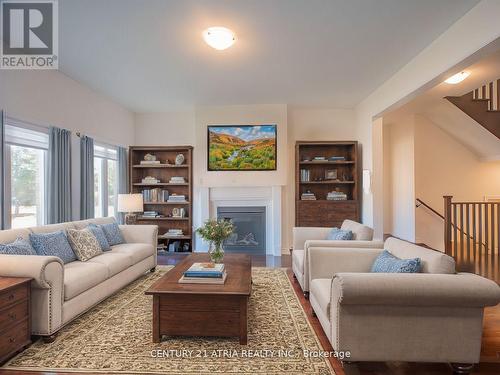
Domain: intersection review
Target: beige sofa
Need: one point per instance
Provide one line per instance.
(306, 237)
(432, 316)
(61, 292)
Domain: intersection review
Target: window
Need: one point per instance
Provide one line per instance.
(105, 180)
(26, 164)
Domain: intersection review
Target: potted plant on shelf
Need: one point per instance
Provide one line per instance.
(216, 232)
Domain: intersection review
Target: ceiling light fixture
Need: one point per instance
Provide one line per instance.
(457, 78)
(219, 38)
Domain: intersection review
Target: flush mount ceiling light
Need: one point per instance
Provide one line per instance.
(457, 78)
(219, 37)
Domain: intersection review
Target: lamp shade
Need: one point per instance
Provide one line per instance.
(130, 203)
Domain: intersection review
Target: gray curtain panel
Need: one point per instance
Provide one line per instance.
(2, 171)
(86, 178)
(122, 178)
(59, 176)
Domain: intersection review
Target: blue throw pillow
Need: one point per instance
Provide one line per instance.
(19, 247)
(55, 244)
(388, 263)
(101, 237)
(339, 234)
(113, 233)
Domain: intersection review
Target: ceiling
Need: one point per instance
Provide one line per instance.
(149, 56)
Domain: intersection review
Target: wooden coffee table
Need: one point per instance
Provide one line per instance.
(203, 309)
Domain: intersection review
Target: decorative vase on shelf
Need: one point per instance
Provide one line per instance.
(216, 252)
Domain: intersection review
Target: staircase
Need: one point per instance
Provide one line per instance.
(482, 105)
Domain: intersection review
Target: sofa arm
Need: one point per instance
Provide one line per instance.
(325, 262)
(141, 234)
(41, 268)
(418, 289)
(302, 234)
(344, 244)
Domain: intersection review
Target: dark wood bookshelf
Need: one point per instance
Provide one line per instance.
(322, 212)
(164, 172)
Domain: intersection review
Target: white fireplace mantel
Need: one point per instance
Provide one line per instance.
(210, 198)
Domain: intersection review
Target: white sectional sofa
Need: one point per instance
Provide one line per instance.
(61, 292)
(432, 316)
(307, 237)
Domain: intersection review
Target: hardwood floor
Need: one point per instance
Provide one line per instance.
(490, 353)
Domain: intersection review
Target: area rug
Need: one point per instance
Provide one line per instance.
(115, 336)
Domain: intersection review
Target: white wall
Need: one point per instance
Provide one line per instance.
(165, 129)
(51, 98)
(443, 166)
(399, 199)
(294, 123)
(473, 31)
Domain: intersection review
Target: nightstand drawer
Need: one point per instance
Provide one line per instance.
(14, 338)
(13, 295)
(11, 315)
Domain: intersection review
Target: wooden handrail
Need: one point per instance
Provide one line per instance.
(420, 202)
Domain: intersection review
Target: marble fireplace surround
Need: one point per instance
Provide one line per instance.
(210, 198)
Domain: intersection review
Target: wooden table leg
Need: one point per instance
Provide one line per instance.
(243, 320)
(156, 319)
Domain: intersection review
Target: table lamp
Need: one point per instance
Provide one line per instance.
(130, 204)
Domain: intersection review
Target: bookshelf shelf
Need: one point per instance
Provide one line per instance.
(322, 212)
(164, 172)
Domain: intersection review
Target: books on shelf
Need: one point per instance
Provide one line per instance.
(308, 196)
(336, 196)
(150, 180)
(155, 195)
(177, 180)
(150, 162)
(305, 175)
(173, 232)
(177, 198)
(150, 214)
(336, 158)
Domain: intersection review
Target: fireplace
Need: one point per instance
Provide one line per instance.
(249, 235)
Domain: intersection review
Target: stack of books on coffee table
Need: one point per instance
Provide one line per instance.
(204, 273)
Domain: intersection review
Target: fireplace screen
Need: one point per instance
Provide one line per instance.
(250, 229)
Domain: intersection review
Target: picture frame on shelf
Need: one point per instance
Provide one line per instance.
(331, 174)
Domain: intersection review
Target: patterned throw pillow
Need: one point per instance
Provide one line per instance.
(19, 247)
(84, 243)
(55, 244)
(339, 234)
(113, 233)
(101, 237)
(388, 263)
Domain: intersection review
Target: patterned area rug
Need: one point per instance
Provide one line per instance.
(115, 336)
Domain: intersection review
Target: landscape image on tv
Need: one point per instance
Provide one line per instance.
(242, 147)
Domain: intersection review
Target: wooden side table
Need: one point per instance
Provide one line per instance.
(15, 316)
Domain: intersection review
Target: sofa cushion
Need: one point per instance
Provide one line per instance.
(81, 276)
(337, 234)
(359, 231)
(19, 247)
(298, 259)
(55, 244)
(388, 263)
(84, 243)
(115, 262)
(321, 289)
(113, 233)
(136, 251)
(100, 236)
(431, 261)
